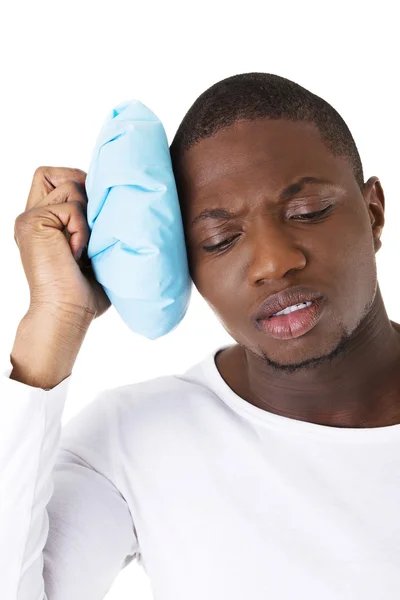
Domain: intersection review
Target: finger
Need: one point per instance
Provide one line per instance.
(69, 191)
(68, 217)
(65, 193)
(75, 224)
(46, 179)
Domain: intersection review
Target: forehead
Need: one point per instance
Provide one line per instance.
(268, 152)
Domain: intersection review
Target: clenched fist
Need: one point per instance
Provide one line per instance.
(51, 234)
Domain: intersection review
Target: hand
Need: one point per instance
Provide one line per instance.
(50, 234)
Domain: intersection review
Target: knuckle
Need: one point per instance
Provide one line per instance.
(72, 185)
(22, 226)
(80, 172)
(75, 189)
(76, 206)
(78, 210)
(39, 172)
(20, 221)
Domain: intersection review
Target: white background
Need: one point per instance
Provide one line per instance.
(65, 65)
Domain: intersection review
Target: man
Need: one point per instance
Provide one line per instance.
(250, 146)
(271, 468)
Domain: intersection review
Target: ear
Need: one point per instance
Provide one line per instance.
(374, 198)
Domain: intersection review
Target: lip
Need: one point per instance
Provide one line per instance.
(295, 324)
(285, 298)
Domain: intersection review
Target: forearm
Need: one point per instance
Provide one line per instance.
(46, 346)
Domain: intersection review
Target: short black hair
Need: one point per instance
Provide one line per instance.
(250, 96)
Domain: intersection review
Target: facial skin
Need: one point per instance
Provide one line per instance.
(345, 371)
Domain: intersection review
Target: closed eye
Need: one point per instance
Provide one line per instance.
(306, 217)
(313, 215)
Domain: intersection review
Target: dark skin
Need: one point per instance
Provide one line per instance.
(345, 371)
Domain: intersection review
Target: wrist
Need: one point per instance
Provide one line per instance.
(61, 313)
(46, 346)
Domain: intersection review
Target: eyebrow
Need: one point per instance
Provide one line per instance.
(294, 188)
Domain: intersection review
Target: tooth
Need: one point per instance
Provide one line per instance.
(292, 308)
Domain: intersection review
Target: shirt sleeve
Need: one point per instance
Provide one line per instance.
(65, 529)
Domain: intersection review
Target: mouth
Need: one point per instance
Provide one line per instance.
(290, 297)
(293, 321)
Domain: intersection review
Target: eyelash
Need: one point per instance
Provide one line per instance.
(318, 214)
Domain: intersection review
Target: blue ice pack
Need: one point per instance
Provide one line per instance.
(137, 244)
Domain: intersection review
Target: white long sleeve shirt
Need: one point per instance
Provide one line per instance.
(217, 499)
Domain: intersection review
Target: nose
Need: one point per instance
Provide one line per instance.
(274, 252)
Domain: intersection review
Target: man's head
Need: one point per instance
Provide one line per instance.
(245, 140)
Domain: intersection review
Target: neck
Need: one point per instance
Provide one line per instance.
(358, 385)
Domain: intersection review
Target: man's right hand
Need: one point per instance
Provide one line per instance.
(49, 235)
(64, 294)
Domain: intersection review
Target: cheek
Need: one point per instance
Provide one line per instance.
(356, 244)
(361, 264)
(220, 286)
(351, 273)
